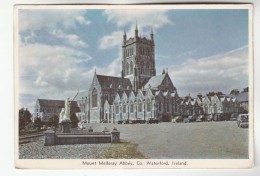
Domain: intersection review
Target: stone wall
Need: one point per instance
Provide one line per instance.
(81, 137)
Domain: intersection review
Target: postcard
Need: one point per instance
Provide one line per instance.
(133, 86)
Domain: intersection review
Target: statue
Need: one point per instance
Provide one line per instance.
(65, 112)
(61, 115)
(64, 118)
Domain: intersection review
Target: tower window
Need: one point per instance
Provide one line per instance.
(131, 67)
(127, 69)
(94, 97)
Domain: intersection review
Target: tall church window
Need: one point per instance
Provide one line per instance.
(167, 107)
(132, 108)
(140, 107)
(159, 106)
(175, 106)
(131, 67)
(117, 109)
(124, 108)
(215, 108)
(148, 108)
(94, 97)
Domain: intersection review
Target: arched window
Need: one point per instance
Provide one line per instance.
(124, 108)
(159, 106)
(148, 108)
(117, 109)
(215, 108)
(131, 67)
(206, 109)
(140, 106)
(167, 107)
(132, 108)
(94, 97)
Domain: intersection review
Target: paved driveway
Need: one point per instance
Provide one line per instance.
(203, 140)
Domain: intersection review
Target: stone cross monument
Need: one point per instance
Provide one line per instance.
(65, 117)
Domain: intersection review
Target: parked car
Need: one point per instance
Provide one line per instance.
(218, 117)
(177, 119)
(151, 120)
(209, 117)
(201, 118)
(234, 116)
(189, 119)
(242, 121)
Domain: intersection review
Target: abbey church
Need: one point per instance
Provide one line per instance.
(138, 94)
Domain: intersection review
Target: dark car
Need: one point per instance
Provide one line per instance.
(242, 121)
(209, 117)
(189, 119)
(234, 116)
(218, 117)
(151, 120)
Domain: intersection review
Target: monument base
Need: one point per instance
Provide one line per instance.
(65, 126)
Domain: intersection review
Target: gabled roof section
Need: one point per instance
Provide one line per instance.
(155, 81)
(241, 97)
(149, 93)
(113, 82)
(54, 103)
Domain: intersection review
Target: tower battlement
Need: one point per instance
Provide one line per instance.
(138, 62)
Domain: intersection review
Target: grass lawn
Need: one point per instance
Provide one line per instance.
(122, 150)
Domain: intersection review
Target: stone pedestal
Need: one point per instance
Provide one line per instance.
(115, 136)
(49, 138)
(65, 126)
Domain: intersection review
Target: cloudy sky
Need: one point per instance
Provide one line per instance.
(204, 50)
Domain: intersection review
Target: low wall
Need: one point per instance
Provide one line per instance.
(65, 139)
(30, 138)
(80, 137)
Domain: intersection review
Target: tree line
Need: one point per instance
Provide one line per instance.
(26, 125)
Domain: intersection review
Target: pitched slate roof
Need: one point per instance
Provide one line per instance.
(113, 82)
(57, 104)
(241, 97)
(155, 81)
(48, 102)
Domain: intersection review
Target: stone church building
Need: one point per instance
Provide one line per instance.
(138, 94)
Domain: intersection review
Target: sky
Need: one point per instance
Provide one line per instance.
(59, 49)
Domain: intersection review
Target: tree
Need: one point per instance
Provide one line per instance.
(37, 123)
(24, 118)
(53, 120)
(74, 120)
(214, 93)
(234, 92)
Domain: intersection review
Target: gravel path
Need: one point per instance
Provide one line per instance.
(204, 140)
(37, 150)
